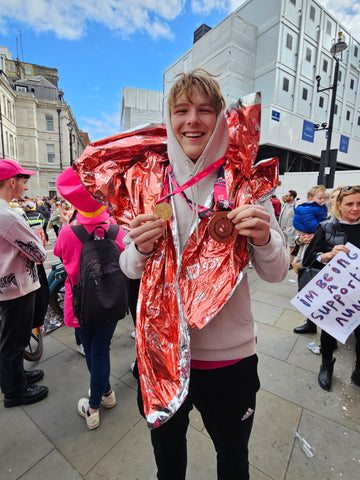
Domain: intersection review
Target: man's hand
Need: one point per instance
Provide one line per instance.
(252, 221)
(145, 230)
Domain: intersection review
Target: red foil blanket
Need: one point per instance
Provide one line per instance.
(127, 172)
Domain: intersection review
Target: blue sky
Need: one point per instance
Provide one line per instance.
(100, 46)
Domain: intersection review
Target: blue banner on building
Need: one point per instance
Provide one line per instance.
(275, 115)
(308, 132)
(344, 144)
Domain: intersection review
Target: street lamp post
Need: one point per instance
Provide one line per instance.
(71, 127)
(328, 156)
(2, 134)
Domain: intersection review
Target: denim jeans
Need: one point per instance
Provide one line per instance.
(96, 343)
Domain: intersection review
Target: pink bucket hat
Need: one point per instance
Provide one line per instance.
(89, 210)
(10, 168)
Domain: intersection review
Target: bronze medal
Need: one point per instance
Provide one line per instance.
(221, 229)
(163, 210)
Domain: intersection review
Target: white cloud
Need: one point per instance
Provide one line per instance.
(68, 18)
(104, 125)
(347, 12)
(206, 6)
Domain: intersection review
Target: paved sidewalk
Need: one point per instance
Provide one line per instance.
(50, 440)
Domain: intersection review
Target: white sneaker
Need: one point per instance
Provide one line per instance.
(80, 349)
(93, 420)
(133, 335)
(108, 401)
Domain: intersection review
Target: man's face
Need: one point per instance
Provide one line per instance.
(193, 123)
(288, 198)
(20, 186)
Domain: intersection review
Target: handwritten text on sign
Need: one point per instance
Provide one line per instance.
(332, 298)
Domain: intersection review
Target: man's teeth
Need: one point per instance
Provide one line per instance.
(193, 135)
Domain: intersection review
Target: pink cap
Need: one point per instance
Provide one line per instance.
(10, 168)
(70, 187)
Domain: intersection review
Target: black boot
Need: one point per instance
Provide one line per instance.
(325, 374)
(308, 327)
(355, 377)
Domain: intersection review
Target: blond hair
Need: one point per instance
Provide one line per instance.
(344, 193)
(206, 84)
(314, 190)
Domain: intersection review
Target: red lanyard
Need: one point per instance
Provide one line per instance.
(204, 173)
(220, 195)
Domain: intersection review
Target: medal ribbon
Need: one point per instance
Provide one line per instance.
(220, 196)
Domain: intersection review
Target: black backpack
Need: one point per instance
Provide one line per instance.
(100, 296)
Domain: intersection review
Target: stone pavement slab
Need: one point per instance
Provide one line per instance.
(22, 443)
(329, 463)
(50, 440)
(272, 438)
(52, 466)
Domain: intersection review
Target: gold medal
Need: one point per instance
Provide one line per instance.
(163, 210)
(221, 229)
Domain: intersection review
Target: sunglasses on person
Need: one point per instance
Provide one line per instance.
(350, 187)
(347, 189)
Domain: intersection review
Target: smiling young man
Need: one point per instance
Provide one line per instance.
(20, 248)
(223, 364)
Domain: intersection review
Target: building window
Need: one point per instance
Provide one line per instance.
(328, 27)
(11, 67)
(359, 121)
(325, 65)
(49, 119)
(28, 70)
(347, 115)
(340, 75)
(321, 102)
(293, 2)
(20, 88)
(9, 110)
(356, 51)
(11, 138)
(352, 84)
(304, 94)
(335, 109)
(308, 55)
(289, 41)
(312, 13)
(285, 84)
(50, 149)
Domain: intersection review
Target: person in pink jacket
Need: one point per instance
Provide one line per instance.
(20, 249)
(96, 341)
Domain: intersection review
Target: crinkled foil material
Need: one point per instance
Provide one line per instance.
(128, 173)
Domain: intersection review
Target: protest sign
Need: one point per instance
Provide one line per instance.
(332, 298)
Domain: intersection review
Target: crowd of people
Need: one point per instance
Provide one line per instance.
(321, 226)
(212, 363)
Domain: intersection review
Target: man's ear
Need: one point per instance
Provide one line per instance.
(12, 182)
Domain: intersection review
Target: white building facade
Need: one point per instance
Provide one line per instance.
(278, 47)
(37, 128)
(139, 107)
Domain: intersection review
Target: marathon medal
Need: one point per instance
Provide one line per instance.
(221, 229)
(163, 210)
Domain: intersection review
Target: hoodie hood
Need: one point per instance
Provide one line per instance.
(184, 169)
